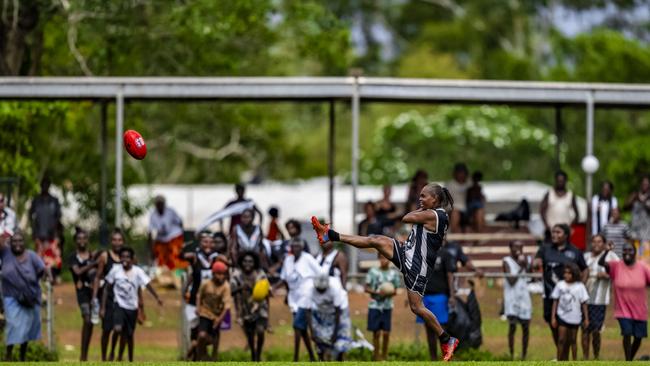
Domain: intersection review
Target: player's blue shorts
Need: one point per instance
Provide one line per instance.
(438, 304)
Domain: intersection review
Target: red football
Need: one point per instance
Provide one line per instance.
(134, 144)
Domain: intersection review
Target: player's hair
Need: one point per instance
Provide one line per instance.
(575, 271)
(295, 223)
(78, 231)
(442, 194)
(248, 253)
(128, 250)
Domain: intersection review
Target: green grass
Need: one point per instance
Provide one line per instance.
(354, 363)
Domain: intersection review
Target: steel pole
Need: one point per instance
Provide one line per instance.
(589, 151)
(355, 169)
(119, 131)
(103, 229)
(330, 159)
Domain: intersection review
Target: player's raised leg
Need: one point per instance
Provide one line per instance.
(382, 244)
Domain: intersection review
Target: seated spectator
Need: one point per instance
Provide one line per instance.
(380, 307)
(458, 188)
(419, 180)
(371, 224)
(517, 304)
(386, 211)
(21, 294)
(476, 202)
(328, 318)
(252, 314)
(298, 270)
(212, 303)
(617, 232)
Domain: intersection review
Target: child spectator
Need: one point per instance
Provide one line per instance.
(328, 318)
(274, 232)
(83, 268)
(125, 282)
(598, 285)
(298, 271)
(616, 231)
(569, 305)
(212, 303)
(516, 298)
(252, 315)
(476, 202)
(380, 307)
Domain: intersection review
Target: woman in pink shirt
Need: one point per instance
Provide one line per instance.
(630, 279)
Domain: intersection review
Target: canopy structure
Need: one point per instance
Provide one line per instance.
(327, 89)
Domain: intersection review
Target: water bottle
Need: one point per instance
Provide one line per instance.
(94, 312)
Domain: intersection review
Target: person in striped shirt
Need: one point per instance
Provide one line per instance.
(616, 232)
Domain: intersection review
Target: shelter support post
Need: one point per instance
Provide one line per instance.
(558, 137)
(103, 229)
(119, 131)
(355, 169)
(330, 159)
(589, 152)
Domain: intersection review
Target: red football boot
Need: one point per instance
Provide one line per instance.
(449, 348)
(320, 229)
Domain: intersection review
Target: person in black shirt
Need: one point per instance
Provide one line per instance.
(552, 258)
(371, 225)
(438, 296)
(83, 268)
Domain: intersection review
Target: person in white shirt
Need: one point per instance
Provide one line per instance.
(569, 304)
(298, 270)
(7, 220)
(329, 318)
(458, 189)
(598, 286)
(602, 205)
(125, 281)
(166, 235)
(516, 298)
(558, 205)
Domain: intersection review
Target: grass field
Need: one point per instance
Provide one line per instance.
(157, 340)
(353, 363)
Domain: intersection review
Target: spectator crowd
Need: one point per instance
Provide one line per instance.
(233, 272)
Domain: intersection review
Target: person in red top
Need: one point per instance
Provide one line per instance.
(274, 232)
(630, 279)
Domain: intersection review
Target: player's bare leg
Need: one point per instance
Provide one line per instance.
(382, 244)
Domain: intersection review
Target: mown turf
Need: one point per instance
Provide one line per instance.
(354, 363)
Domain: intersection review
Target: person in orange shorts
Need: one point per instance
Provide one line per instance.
(166, 235)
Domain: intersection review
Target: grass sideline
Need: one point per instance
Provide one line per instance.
(350, 363)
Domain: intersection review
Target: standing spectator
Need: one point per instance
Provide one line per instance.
(458, 188)
(639, 203)
(630, 279)
(598, 285)
(558, 205)
(274, 232)
(21, 294)
(279, 252)
(334, 263)
(45, 215)
(125, 282)
(252, 314)
(298, 270)
(240, 191)
(213, 302)
(166, 235)
(617, 232)
(517, 305)
(201, 261)
(105, 263)
(419, 180)
(247, 236)
(602, 205)
(386, 211)
(7, 220)
(84, 268)
(328, 318)
(476, 202)
(569, 309)
(438, 296)
(552, 258)
(371, 225)
(380, 307)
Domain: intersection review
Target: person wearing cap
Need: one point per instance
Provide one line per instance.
(166, 235)
(212, 302)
